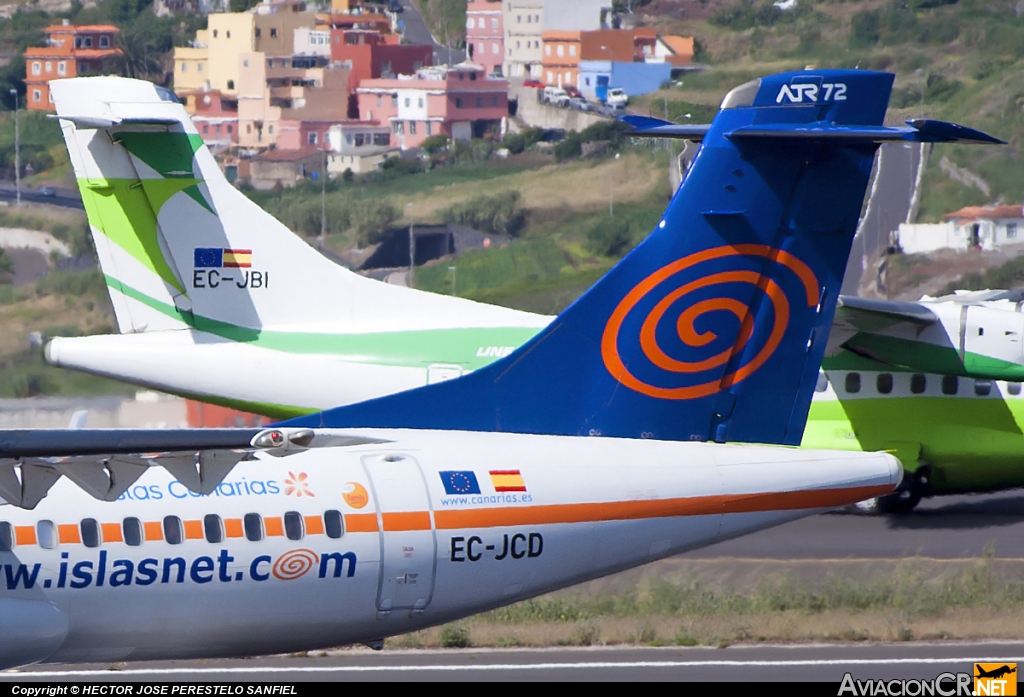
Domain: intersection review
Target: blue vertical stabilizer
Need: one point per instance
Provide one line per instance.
(714, 327)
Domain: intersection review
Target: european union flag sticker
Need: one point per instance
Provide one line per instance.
(209, 257)
(460, 483)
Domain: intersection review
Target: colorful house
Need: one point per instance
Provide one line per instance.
(597, 77)
(485, 35)
(215, 117)
(70, 51)
(561, 62)
(370, 55)
(458, 102)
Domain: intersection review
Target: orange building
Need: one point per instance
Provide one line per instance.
(70, 51)
(560, 62)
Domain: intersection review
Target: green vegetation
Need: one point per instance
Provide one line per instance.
(910, 602)
(499, 214)
(454, 636)
(611, 132)
(446, 20)
(954, 61)
(371, 219)
(1009, 275)
(144, 38)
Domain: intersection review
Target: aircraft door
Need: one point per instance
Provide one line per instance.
(987, 334)
(408, 546)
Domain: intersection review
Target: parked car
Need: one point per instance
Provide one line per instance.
(47, 191)
(616, 97)
(533, 83)
(580, 104)
(572, 91)
(555, 95)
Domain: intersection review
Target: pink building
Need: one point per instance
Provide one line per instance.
(215, 117)
(485, 34)
(458, 102)
(294, 134)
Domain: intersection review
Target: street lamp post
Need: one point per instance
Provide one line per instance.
(452, 269)
(611, 190)
(17, 148)
(323, 197)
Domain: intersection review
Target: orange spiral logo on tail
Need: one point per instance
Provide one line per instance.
(685, 326)
(291, 565)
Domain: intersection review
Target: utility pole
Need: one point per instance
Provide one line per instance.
(611, 190)
(412, 254)
(323, 198)
(17, 148)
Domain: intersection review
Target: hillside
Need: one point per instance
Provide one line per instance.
(958, 61)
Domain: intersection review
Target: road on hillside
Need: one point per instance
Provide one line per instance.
(66, 198)
(415, 32)
(891, 194)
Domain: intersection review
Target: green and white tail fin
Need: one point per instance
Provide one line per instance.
(181, 248)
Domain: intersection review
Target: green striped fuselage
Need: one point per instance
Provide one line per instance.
(970, 432)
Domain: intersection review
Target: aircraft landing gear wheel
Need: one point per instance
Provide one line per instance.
(900, 502)
(869, 507)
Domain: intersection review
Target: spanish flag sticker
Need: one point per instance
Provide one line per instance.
(238, 258)
(507, 480)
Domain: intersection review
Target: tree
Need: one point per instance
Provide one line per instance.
(371, 219)
(139, 55)
(499, 214)
(610, 237)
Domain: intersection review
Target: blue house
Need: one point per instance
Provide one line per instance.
(597, 77)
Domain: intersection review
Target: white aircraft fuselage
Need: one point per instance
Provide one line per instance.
(333, 546)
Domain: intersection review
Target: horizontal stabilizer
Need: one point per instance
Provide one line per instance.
(649, 127)
(870, 315)
(105, 462)
(920, 131)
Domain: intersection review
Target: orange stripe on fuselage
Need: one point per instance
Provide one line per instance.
(403, 522)
(69, 534)
(361, 522)
(233, 527)
(24, 535)
(663, 508)
(112, 532)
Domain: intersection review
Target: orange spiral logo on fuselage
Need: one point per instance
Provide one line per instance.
(685, 323)
(291, 565)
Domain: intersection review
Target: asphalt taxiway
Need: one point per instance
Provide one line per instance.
(823, 663)
(941, 528)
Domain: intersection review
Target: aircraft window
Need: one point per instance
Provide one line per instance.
(334, 524)
(174, 533)
(822, 383)
(6, 537)
(90, 532)
(918, 383)
(950, 384)
(132, 530)
(213, 529)
(884, 383)
(982, 387)
(1013, 387)
(852, 383)
(46, 533)
(293, 526)
(253, 527)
